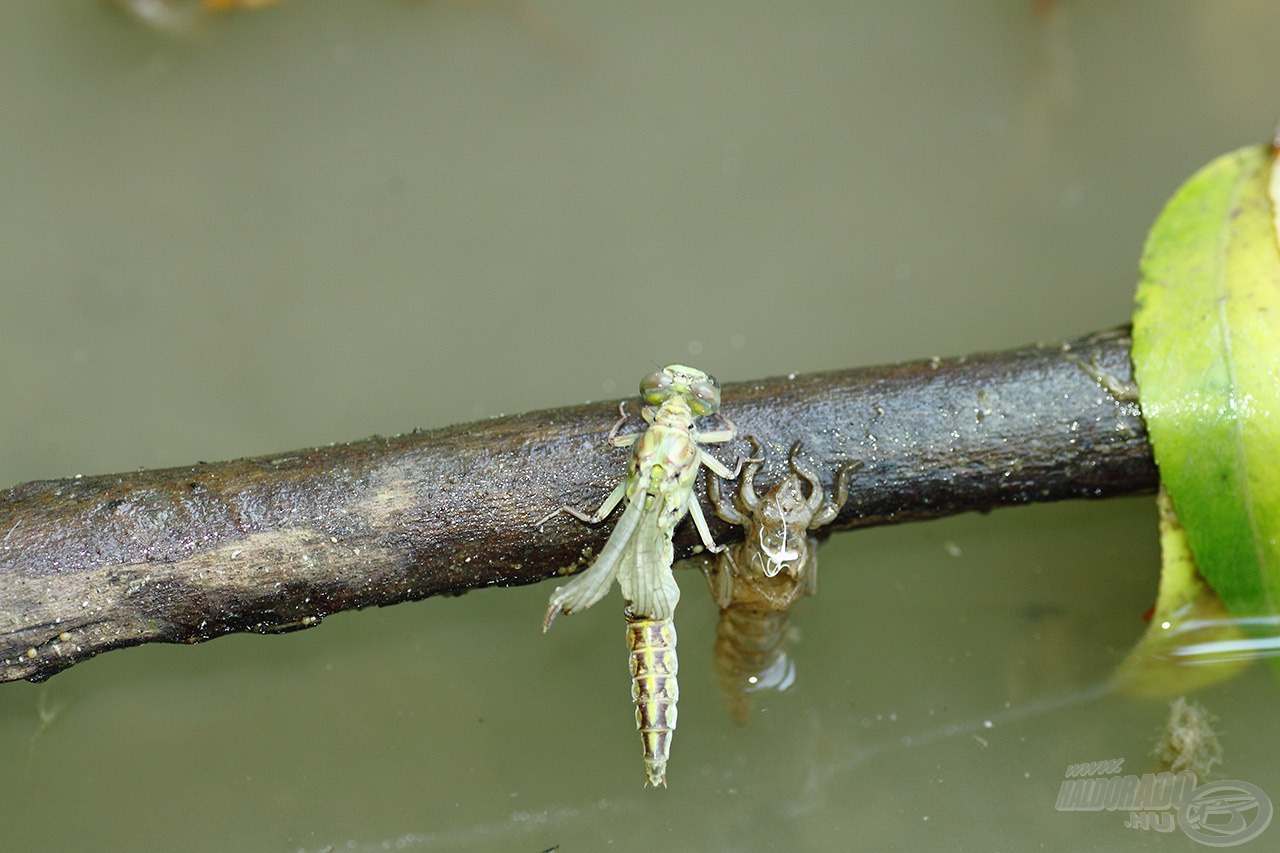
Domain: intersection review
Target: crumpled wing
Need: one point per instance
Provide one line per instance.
(646, 579)
(590, 586)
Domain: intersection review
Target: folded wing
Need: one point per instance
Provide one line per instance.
(590, 586)
(646, 579)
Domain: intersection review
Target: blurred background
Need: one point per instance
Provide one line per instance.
(323, 220)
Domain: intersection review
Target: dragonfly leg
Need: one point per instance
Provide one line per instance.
(598, 516)
(717, 436)
(700, 522)
(723, 470)
(613, 431)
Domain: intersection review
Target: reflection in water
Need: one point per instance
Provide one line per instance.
(47, 713)
(1185, 651)
(826, 766)
(1189, 644)
(1264, 642)
(483, 836)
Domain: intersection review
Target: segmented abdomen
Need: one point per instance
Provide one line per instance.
(749, 656)
(654, 690)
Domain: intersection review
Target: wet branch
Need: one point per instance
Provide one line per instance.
(279, 542)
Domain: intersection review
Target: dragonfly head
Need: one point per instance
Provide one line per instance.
(700, 390)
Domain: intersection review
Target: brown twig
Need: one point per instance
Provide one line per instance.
(274, 543)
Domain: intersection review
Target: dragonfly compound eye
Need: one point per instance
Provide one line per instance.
(706, 396)
(656, 387)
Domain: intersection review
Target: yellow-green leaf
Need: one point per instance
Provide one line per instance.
(1206, 352)
(1191, 641)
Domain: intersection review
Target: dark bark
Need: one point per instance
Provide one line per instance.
(278, 542)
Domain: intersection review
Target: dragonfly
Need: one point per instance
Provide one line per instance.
(756, 581)
(659, 490)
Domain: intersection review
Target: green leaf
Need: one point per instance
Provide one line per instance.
(1206, 352)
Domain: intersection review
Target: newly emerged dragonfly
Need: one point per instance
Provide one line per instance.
(659, 490)
(756, 581)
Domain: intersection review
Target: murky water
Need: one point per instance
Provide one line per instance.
(326, 220)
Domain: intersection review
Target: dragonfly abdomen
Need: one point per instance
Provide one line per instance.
(654, 689)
